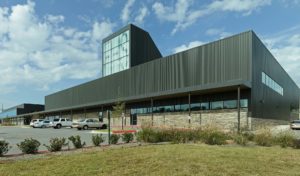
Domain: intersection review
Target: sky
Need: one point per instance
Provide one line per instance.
(48, 46)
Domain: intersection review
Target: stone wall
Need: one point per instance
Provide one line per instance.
(226, 119)
(257, 123)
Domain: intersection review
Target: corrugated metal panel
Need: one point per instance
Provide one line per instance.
(266, 103)
(142, 47)
(221, 63)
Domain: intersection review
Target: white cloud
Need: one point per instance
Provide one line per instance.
(285, 47)
(188, 46)
(184, 15)
(288, 3)
(55, 19)
(125, 15)
(217, 32)
(100, 30)
(143, 12)
(39, 53)
(106, 3)
(245, 6)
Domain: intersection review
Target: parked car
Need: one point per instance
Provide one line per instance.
(41, 124)
(35, 120)
(61, 122)
(89, 123)
(295, 124)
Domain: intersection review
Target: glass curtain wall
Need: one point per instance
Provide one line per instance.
(116, 54)
(214, 105)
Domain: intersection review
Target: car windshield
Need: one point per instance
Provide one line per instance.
(55, 120)
(81, 120)
(296, 121)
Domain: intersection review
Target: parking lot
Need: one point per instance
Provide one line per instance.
(17, 134)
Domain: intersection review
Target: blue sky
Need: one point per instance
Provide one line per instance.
(47, 46)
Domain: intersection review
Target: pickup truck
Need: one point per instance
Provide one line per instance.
(89, 123)
(61, 122)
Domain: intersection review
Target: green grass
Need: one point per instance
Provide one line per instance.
(179, 159)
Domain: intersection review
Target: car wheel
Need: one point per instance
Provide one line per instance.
(104, 127)
(85, 127)
(58, 126)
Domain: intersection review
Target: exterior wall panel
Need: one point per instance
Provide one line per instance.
(218, 64)
(142, 47)
(266, 103)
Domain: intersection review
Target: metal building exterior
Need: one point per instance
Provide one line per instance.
(209, 78)
(20, 110)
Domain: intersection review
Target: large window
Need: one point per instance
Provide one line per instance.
(268, 81)
(116, 54)
(217, 105)
(205, 106)
(230, 104)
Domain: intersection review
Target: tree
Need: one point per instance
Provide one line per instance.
(118, 110)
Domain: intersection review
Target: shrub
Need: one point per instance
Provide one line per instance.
(127, 137)
(249, 135)
(296, 144)
(29, 146)
(56, 144)
(240, 139)
(264, 137)
(285, 139)
(76, 140)
(213, 136)
(147, 134)
(184, 135)
(208, 135)
(3, 147)
(97, 139)
(114, 138)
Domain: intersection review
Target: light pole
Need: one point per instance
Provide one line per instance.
(108, 116)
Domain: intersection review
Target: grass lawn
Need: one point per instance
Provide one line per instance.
(177, 159)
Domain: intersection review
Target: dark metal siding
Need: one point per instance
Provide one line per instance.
(218, 64)
(266, 103)
(29, 108)
(142, 47)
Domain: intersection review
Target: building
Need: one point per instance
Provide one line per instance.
(198, 86)
(9, 115)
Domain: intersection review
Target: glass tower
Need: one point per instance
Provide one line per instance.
(115, 54)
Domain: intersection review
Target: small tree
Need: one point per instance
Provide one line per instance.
(117, 111)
